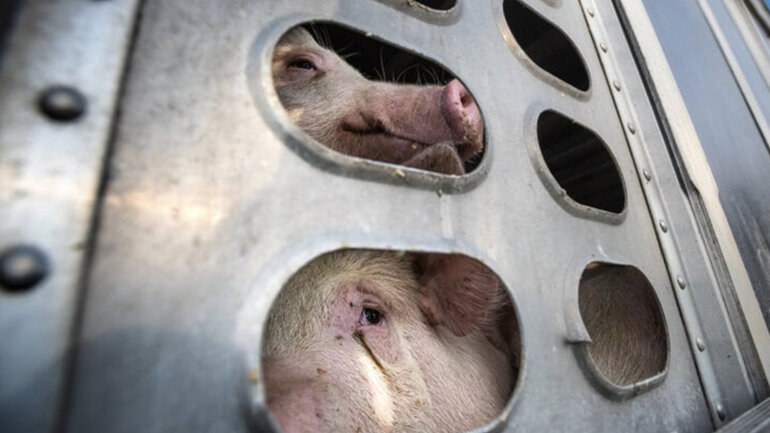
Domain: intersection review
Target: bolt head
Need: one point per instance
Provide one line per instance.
(631, 128)
(700, 344)
(603, 46)
(680, 281)
(590, 12)
(721, 412)
(646, 174)
(62, 103)
(22, 267)
(663, 226)
(616, 85)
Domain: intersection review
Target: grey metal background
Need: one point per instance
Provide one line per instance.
(49, 177)
(209, 211)
(729, 121)
(213, 199)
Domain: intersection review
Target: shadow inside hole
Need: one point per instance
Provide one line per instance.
(366, 98)
(441, 5)
(580, 163)
(622, 315)
(546, 45)
(372, 340)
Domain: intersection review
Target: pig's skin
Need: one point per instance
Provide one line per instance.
(423, 370)
(400, 124)
(622, 316)
(444, 357)
(428, 366)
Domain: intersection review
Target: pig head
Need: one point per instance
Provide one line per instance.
(432, 128)
(366, 341)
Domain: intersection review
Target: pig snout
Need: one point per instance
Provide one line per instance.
(402, 122)
(434, 128)
(462, 115)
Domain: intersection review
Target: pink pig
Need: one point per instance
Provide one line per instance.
(365, 341)
(432, 128)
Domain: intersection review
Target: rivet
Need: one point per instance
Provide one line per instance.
(646, 174)
(700, 344)
(721, 412)
(631, 128)
(22, 267)
(590, 12)
(62, 103)
(616, 85)
(663, 226)
(603, 46)
(681, 282)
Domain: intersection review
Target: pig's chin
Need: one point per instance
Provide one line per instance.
(390, 148)
(380, 146)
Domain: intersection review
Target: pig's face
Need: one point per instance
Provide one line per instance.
(433, 128)
(361, 341)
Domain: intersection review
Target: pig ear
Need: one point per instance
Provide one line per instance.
(458, 292)
(297, 36)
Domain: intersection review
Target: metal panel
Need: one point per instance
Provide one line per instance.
(49, 176)
(209, 212)
(723, 118)
(735, 295)
(754, 421)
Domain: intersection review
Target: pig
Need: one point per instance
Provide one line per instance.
(376, 341)
(379, 341)
(622, 316)
(433, 128)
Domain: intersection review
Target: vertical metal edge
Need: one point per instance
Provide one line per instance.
(122, 71)
(748, 94)
(668, 241)
(50, 175)
(726, 297)
(698, 169)
(743, 17)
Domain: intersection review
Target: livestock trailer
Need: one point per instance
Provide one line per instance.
(155, 197)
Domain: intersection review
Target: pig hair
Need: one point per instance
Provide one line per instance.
(460, 293)
(319, 281)
(622, 318)
(423, 389)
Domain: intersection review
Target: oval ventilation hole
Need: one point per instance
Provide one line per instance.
(355, 338)
(331, 80)
(440, 5)
(580, 163)
(546, 45)
(622, 315)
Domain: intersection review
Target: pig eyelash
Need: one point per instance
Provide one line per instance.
(302, 63)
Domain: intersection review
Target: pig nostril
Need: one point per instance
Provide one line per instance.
(466, 100)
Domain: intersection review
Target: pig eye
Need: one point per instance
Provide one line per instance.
(371, 316)
(302, 64)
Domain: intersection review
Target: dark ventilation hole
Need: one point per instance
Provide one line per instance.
(379, 61)
(340, 318)
(546, 45)
(621, 314)
(441, 5)
(580, 162)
